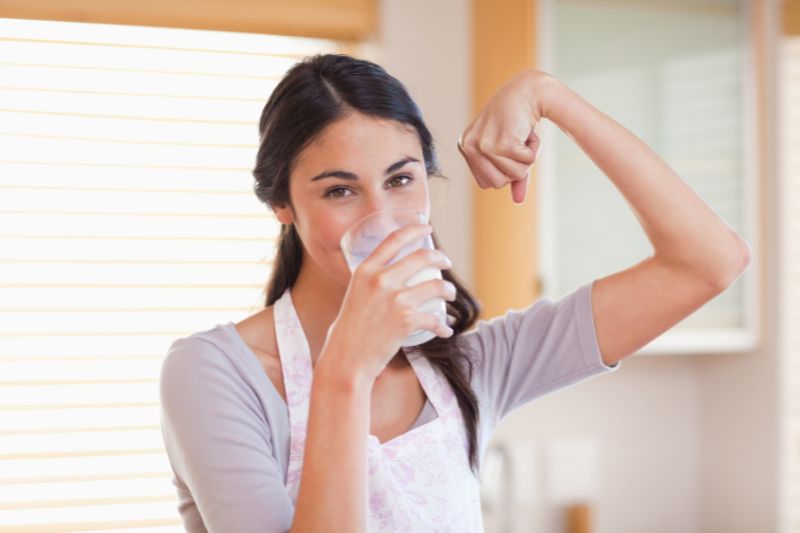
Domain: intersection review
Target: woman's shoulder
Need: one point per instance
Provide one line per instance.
(227, 356)
(204, 354)
(257, 331)
(221, 347)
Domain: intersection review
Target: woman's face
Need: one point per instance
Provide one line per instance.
(356, 166)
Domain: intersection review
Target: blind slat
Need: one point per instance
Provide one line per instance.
(164, 248)
(81, 79)
(34, 470)
(155, 59)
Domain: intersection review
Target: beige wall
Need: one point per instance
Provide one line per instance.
(426, 46)
(685, 444)
(740, 401)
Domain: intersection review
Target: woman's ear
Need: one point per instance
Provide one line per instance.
(284, 214)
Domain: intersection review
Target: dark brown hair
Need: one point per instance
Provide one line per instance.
(313, 94)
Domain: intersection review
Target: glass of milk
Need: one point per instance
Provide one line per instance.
(363, 237)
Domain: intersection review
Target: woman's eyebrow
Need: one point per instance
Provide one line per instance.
(350, 176)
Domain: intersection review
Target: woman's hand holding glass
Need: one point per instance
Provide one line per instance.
(379, 310)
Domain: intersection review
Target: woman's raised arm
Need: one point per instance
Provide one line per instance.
(696, 256)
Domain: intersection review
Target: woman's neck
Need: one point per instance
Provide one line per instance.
(317, 298)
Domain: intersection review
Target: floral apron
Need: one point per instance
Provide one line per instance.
(419, 481)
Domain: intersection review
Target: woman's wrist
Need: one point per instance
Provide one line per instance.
(546, 88)
(334, 368)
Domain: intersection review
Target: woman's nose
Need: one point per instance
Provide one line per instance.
(384, 204)
(376, 204)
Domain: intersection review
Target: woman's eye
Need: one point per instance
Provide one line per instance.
(330, 192)
(333, 192)
(404, 176)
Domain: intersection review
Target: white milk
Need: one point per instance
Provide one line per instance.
(436, 305)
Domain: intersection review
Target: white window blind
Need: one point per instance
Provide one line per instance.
(676, 75)
(127, 219)
(789, 109)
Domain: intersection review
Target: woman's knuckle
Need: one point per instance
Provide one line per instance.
(363, 269)
(407, 319)
(395, 304)
(422, 253)
(506, 146)
(381, 282)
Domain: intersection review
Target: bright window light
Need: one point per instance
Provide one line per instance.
(127, 219)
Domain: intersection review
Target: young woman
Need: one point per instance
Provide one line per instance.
(385, 438)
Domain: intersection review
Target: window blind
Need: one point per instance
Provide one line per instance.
(789, 284)
(127, 219)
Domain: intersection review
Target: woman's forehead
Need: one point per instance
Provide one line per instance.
(357, 128)
(359, 142)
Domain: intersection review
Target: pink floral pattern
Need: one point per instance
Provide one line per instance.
(418, 481)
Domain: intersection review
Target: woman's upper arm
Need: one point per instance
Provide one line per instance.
(218, 441)
(638, 304)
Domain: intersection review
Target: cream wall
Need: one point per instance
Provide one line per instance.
(685, 444)
(427, 45)
(740, 404)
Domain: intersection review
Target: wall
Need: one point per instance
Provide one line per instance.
(426, 45)
(740, 402)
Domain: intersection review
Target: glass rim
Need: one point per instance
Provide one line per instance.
(346, 234)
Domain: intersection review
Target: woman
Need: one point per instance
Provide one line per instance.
(384, 438)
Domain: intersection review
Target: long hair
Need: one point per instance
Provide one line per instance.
(313, 94)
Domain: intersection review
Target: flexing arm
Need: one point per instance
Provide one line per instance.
(696, 254)
(683, 229)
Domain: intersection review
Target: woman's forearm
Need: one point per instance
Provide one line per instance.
(683, 229)
(333, 483)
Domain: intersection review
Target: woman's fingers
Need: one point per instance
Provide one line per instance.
(496, 171)
(482, 183)
(483, 171)
(398, 273)
(529, 150)
(393, 243)
(513, 170)
(518, 190)
(416, 295)
(491, 175)
(508, 159)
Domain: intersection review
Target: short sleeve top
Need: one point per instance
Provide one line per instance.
(226, 428)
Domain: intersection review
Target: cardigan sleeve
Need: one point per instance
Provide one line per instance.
(218, 442)
(530, 352)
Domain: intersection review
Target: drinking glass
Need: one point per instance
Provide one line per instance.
(366, 234)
